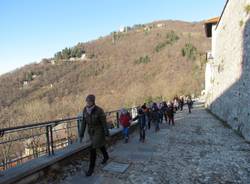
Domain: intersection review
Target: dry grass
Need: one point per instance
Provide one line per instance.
(111, 74)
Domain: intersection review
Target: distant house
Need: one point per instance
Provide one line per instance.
(52, 62)
(122, 29)
(83, 57)
(147, 28)
(34, 76)
(25, 83)
(159, 25)
(72, 59)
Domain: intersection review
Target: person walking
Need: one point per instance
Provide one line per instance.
(95, 118)
(155, 117)
(125, 121)
(165, 109)
(161, 112)
(141, 117)
(170, 113)
(181, 103)
(147, 112)
(176, 104)
(190, 104)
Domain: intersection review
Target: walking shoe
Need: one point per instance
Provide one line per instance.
(89, 173)
(104, 161)
(126, 140)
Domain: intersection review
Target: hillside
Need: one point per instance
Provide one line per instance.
(156, 60)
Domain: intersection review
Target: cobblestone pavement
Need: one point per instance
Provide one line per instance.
(198, 149)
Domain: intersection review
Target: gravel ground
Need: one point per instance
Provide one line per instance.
(198, 149)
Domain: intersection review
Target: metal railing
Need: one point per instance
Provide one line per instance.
(23, 143)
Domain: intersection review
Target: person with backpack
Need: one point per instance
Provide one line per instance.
(141, 117)
(125, 121)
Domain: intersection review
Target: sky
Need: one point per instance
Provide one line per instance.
(34, 29)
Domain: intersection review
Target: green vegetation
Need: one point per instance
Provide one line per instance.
(143, 60)
(189, 51)
(136, 26)
(247, 8)
(116, 36)
(241, 23)
(67, 53)
(29, 76)
(171, 38)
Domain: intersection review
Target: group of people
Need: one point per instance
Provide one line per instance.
(153, 114)
(94, 117)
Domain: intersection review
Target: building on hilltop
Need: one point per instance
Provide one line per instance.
(228, 66)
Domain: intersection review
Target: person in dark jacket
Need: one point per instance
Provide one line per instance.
(155, 116)
(165, 109)
(141, 117)
(147, 110)
(95, 118)
(181, 103)
(170, 113)
(161, 112)
(190, 104)
(125, 121)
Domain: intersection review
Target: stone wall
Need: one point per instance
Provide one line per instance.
(229, 97)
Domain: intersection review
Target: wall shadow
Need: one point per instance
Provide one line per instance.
(233, 106)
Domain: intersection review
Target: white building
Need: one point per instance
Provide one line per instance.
(83, 57)
(25, 83)
(159, 25)
(210, 27)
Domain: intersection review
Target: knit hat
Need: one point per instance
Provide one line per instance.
(90, 98)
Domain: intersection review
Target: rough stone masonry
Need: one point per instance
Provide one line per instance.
(229, 96)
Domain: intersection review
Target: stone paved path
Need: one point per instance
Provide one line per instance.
(199, 149)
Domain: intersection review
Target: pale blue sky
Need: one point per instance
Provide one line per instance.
(36, 29)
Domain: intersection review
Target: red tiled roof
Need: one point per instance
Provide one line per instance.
(214, 20)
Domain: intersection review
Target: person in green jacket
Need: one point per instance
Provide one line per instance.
(95, 118)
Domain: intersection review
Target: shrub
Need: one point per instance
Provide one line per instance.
(67, 53)
(143, 60)
(241, 23)
(247, 8)
(171, 38)
(189, 51)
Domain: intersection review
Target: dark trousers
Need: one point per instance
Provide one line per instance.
(93, 157)
(157, 124)
(166, 117)
(171, 120)
(149, 122)
(189, 108)
(142, 133)
(161, 117)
